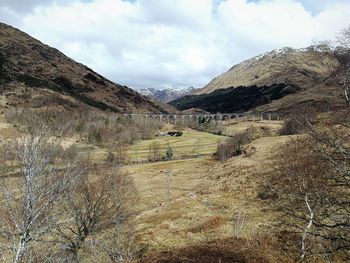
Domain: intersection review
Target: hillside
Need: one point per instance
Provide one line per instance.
(263, 83)
(36, 75)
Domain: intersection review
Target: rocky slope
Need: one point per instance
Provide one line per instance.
(166, 95)
(279, 80)
(37, 75)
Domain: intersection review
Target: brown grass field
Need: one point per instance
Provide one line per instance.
(204, 193)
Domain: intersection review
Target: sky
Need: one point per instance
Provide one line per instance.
(173, 43)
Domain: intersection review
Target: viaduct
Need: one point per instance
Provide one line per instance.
(220, 117)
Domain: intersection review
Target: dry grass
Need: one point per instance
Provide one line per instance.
(272, 126)
(204, 195)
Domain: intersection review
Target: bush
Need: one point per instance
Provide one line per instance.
(210, 126)
(95, 137)
(154, 152)
(233, 146)
(293, 125)
(298, 122)
(169, 153)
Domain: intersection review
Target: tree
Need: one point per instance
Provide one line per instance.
(344, 37)
(343, 55)
(297, 185)
(169, 153)
(100, 201)
(310, 187)
(30, 198)
(154, 152)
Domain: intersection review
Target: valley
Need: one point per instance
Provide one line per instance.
(253, 167)
(204, 193)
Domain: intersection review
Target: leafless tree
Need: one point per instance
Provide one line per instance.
(311, 183)
(325, 46)
(154, 152)
(342, 53)
(344, 37)
(30, 197)
(120, 243)
(298, 188)
(99, 202)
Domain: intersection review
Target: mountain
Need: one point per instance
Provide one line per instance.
(279, 80)
(166, 95)
(36, 75)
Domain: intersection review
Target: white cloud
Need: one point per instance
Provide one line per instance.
(152, 43)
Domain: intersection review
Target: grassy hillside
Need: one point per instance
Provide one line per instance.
(309, 76)
(36, 75)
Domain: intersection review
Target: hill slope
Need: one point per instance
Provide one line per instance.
(298, 66)
(32, 72)
(263, 83)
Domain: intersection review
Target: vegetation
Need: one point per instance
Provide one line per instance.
(45, 204)
(4, 78)
(310, 188)
(95, 128)
(67, 195)
(191, 144)
(234, 146)
(211, 126)
(234, 99)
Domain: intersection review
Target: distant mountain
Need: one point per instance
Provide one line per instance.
(279, 80)
(36, 75)
(166, 95)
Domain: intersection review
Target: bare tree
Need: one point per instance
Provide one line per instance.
(154, 152)
(343, 55)
(97, 204)
(324, 46)
(30, 197)
(297, 188)
(311, 183)
(121, 243)
(344, 37)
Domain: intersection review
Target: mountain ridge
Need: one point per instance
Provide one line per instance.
(270, 68)
(165, 95)
(279, 80)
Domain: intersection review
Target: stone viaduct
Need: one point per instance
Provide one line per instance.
(220, 117)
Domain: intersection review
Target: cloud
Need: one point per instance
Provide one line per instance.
(152, 43)
(27, 5)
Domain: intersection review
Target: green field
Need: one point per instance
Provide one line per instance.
(191, 143)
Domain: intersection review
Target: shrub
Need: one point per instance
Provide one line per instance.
(154, 152)
(169, 153)
(210, 126)
(293, 125)
(298, 122)
(80, 127)
(233, 146)
(110, 157)
(95, 136)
